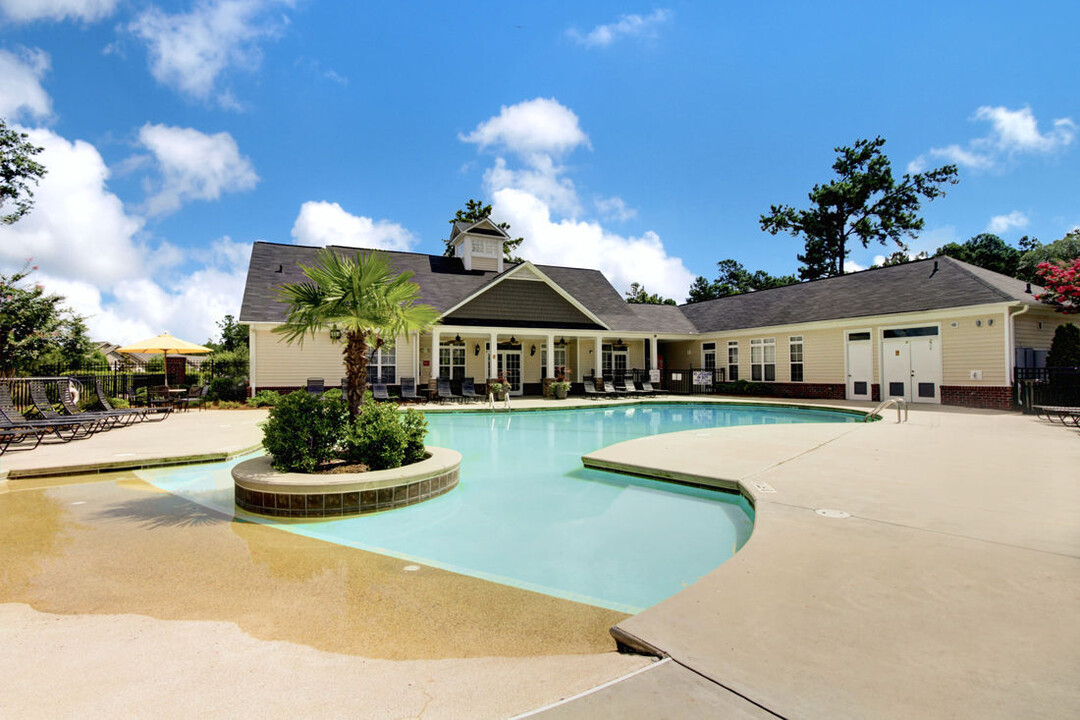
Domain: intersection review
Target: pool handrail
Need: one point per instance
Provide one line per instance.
(897, 401)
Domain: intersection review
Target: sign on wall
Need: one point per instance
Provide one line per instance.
(702, 377)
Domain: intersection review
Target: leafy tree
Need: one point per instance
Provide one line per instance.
(900, 257)
(637, 294)
(734, 279)
(985, 250)
(364, 299)
(474, 212)
(1062, 286)
(17, 170)
(1057, 252)
(864, 203)
(234, 335)
(36, 327)
(1065, 348)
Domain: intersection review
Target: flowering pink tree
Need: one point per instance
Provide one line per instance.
(1062, 283)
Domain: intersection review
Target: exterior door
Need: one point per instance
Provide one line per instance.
(860, 365)
(510, 368)
(912, 364)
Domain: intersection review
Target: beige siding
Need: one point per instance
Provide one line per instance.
(969, 347)
(278, 364)
(1029, 333)
(484, 263)
(823, 355)
(676, 356)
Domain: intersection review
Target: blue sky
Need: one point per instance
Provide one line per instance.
(644, 140)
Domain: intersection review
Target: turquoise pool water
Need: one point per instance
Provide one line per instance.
(526, 513)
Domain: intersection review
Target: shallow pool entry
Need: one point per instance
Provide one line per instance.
(526, 513)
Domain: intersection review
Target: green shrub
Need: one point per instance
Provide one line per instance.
(334, 393)
(119, 403)
(1065, 348)
(303, 431)
(227, 388)
(377, 437)
(264, 398)
(743, 387)
(415, 425)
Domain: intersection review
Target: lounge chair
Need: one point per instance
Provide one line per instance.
(648, 389)
(315, 386)
(443, 389)
(139, 414)
(10, 435)
(379, 392)
(65, 430)
(590, 390)
(1061, 413)
(612, 391)
(44, 408)
(408, 390)
(117, 417)
(630, 387)
(468, 391)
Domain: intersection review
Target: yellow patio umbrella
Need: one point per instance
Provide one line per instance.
(164, 344)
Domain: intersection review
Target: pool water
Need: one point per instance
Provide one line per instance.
(526, 513)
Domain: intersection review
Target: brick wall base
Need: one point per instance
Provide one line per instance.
(998, 397)
(819, 391)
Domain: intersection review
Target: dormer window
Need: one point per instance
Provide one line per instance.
(485, 247)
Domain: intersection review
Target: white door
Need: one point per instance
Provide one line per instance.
(911, 368)
(860, 365)
(510, 368)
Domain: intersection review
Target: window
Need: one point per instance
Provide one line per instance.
(486, 247)
(795, 355)
(708, 355)
(763, 359)
(733, 360)
(560, 358)
(382, 366)
(614, 361)
(451, 361)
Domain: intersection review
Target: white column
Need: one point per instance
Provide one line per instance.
(435, 352)
(493, 355)
(416, 355)
(550, 370)
(653, 362)
(597, 356)
(251, 359)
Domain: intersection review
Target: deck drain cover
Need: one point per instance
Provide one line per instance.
(763, 487)
(411, 568)
(826, 512)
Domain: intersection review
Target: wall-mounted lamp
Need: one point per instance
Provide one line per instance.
(590, 351)
(457, 339)
(476, 350)
(513, 340)
(562, 341)
(687, 351)
(281, 269)
(619, 341)
(335, 333)
(532, 351)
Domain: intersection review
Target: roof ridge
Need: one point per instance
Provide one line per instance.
(966, 268)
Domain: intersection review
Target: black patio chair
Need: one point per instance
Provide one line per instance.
(117, 417)
(379, 392)
(630, 387)
(444, 391)
(196, 395)
(139, 414)
(648, 389)
(45, 409)
(468, 391)
(10, 435)
(611, 391)
(65, 430)
(408, 390)
(159, 400)
(590, 390)
(315, 386)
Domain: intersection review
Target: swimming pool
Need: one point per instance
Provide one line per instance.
(526, 513)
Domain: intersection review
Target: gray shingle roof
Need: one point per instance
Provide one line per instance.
(910, 287)
(444, 283)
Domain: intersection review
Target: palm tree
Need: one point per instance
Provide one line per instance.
(362, 297)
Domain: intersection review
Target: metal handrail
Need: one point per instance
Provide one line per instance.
(897, 401)
(491, 401)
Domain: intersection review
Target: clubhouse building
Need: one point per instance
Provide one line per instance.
(930, 331)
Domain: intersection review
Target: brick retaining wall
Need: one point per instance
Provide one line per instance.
(997, 397)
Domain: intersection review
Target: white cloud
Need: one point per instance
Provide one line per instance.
(615, 208)
(194, 166)
(77, 229)
(21, 93)
(326, 223)
(541, 126)
(1003, 223)
(624, 260)
(544, 180)
(1012, 133)
(626, 26)
(192, 51)
(29, 10)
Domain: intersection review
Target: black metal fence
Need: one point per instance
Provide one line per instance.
(1046, 386)
(693, 381)
(121, 379)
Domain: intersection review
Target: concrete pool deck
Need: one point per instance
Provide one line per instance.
(950, 590)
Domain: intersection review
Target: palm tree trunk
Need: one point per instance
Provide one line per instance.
(356, 361)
